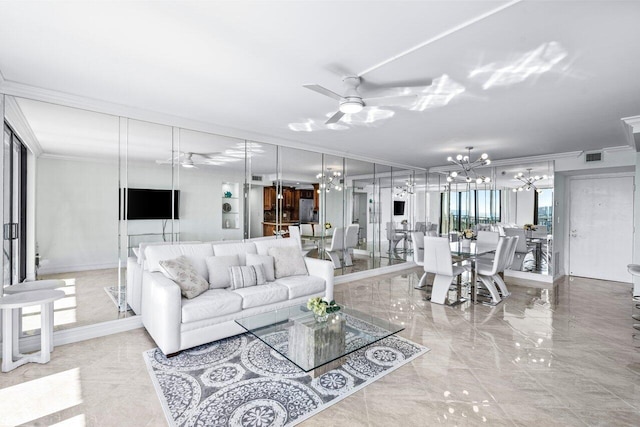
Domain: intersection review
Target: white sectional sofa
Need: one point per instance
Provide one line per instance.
(176, 323)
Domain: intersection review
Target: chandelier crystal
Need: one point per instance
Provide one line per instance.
(468, 167)
(329, 180)
(528, 182)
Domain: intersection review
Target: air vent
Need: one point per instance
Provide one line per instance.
(594, 156)
(256, 177)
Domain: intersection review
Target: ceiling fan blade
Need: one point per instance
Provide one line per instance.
(335, 118)
(323, 91)
(389, 100)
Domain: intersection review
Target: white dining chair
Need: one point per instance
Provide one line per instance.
(437, 260)
(417, 244)
(509, 253)
(306, 229)
(294, 233)
(487, 272)
(350, 242)
(393, 237)
(336, 247)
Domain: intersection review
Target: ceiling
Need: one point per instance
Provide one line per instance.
(513, 79)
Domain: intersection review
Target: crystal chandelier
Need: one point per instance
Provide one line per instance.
(329, 180)
(404, 190)
(468, 167)
(528, 182)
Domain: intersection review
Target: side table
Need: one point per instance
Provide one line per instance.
(10, 306)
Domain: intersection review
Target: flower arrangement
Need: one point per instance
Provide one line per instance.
(530, 227)
(467, 233)
(327, 225)
(404, 222)
(321, 307)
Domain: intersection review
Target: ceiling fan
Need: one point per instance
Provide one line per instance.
(191, 159)
(352, 102)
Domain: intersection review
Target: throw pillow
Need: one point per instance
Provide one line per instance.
(185, 275)
(267, 263)
(288, 261)
(218, 267)
(246, 276)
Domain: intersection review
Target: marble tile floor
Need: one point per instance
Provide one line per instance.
(562, 356)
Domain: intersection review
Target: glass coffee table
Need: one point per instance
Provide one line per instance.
(314, 346)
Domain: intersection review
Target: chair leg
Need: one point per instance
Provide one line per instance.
(348, 262)
(440, 288)
(335, 258)
(491, 287)
(423, 281)
(503, 286)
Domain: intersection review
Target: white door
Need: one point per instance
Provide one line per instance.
(601, 227)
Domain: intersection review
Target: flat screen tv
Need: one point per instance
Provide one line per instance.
(145, 203)
(398, 207)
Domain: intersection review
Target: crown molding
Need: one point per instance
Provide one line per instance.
(632, 131)
(70, 158)
(61, 98)
(21, 125)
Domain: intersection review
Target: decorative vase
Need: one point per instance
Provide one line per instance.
(320, 318)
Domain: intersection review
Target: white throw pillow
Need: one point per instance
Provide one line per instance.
(245, 276)
(288, 261)
(219, 270)
(266, 261)
(185, 275)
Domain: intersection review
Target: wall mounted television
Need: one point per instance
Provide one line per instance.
(398, 208)
(146, 203)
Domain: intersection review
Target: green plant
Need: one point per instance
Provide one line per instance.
(321, 307)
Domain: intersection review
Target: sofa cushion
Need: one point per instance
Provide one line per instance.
(262, 295)
(288, 261)
(244, 276)
(186, 277)
(218, 267)
(263, 246)
(300, 286)
(195, 253)
(240, 249)
(267, 263)
(210, 304)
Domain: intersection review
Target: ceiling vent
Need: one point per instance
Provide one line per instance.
(594, 156)
(256, 177)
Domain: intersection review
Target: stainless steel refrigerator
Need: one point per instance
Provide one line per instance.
(306, 210)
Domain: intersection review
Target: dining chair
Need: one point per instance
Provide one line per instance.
(336, 247)
(634, 270)
(393, 237)
(306, 229)
(507, 259)
(417, 244)
(350, 242)
(437, 260)
(487, 240)
(487, 272)
(294, 233)
(421, 226)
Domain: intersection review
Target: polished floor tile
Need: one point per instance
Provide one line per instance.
(562, 356)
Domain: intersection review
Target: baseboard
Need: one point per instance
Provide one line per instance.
(44, 269)
(373, 272)
(82, 333)
(525, 278)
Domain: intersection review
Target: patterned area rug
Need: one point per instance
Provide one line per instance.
(240, 381)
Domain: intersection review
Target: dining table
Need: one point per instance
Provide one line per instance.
(469, 251)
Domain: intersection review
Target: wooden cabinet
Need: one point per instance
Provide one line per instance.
(306, 194)
(295, 213)
(268, 229)
(316, 197)
(287, 198)
(269, 198)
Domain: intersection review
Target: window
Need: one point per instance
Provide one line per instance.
(543, 209)
(467, 208)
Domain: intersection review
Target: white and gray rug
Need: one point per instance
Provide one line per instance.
(240, 381)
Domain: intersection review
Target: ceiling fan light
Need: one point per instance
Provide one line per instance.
(487, 179)
(478, 180)
(449, 159)
(468, 179)
(487, 162)
(454, 174)
(484, 156)
(351, 106)
(449, 179)
(459, 157)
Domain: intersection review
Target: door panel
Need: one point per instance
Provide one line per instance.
(601, 228)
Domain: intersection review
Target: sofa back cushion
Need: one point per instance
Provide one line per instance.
(195, 253)
(143, 246)
(266, 261)
(218, 267)
(240, 249)
(185, 276)
(288, 261)
(263, 246)
(244, 276)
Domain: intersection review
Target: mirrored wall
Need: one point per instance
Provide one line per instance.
(96, 187)
(513, 199)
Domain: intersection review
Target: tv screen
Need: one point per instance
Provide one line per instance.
(144, 203)
(398, 207)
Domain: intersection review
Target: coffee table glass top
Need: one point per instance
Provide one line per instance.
(294, 333)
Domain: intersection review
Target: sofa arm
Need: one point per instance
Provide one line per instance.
(324, 269)
(162, 311)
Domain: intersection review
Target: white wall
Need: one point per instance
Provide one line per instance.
(76, 215)
(560, 233)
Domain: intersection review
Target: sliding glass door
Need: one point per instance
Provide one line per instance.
(14, 170)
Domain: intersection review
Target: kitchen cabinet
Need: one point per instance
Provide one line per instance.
(295, 213)
(316, 197)
(287, 197)
(269, 198)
